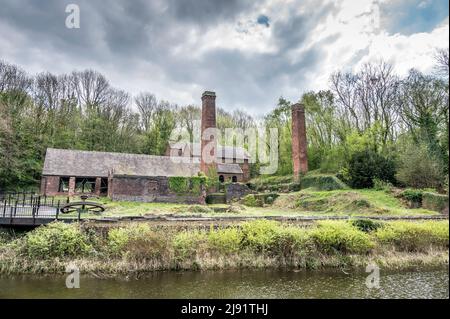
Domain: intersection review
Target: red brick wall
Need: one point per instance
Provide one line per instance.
(299, 144)
(49, 185)
(149, 189)
(208, 121)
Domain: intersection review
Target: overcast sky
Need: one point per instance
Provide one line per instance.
(249, 52)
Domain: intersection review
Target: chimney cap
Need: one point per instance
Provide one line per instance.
(209, 93)
(300, 106)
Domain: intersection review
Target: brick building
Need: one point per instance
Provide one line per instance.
(124, 176)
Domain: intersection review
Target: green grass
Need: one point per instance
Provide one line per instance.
(308, 202)
(346, 202)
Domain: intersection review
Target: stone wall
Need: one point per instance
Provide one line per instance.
(236, 191)
(149, 189)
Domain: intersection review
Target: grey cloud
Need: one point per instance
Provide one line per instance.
(121, 35)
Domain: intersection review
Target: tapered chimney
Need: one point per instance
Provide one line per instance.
(208, 133)
(299, 145)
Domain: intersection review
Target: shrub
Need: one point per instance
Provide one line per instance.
(252, 201)
(413, 195)
(333, 236)
(137, 241)
(259, 235)
(56, 240)
(433, 201)
(381, 185)
(367, 165)
(225, 241)
(186, 244)
(366, 225)
(419, 169)
(414, 236)
(184, 185)
(290, 241)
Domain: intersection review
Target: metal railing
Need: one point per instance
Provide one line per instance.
(29, 205)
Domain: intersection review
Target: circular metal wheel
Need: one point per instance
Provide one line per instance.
(82, 207)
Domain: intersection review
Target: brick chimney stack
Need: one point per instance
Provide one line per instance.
(208, 141)
(299, 145)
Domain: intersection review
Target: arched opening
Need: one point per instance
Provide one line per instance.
(234, 179)
(221, 179)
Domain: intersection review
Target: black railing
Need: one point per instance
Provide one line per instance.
(29, 205)
(27, 199)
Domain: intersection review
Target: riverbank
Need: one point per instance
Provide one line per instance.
(137, 248)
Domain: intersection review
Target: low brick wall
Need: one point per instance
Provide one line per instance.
(149, 189)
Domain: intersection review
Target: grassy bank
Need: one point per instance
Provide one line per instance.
(364, 202)
(139, 248)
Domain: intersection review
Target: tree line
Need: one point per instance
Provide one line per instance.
(369, 125)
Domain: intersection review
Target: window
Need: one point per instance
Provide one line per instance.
(63, 185)
(221, 179)
(84, 185)
(234, 179)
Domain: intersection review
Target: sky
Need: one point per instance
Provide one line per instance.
(249, 52)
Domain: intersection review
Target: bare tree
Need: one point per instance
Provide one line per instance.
(91, 87)
(147, 104)
(369, 97)
(188, 115)
(442, 62)
(13, 78)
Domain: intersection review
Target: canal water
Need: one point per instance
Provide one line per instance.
(235, 284)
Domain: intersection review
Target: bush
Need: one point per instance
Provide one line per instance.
(225, 241)
(419, 169)
(186, 244)
(368, 165)
(414, 236)
(137, 241)
(56, 240)
(412, 195)
(381, 185)
(366, 225)
(436, 202)
(252, 201)
(259, 235)
(290, 241)
(332, 236)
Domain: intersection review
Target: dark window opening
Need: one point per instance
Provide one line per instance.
(63, 185)
(234, 179)
(104, 186)
(221, 179)
(84, 185)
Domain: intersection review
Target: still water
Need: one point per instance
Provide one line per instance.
(235, 284)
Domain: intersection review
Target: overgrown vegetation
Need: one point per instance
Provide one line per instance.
(133, 247)
(185, 185)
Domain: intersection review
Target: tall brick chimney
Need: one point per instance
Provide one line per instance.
(299, 145)
(208, 141)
